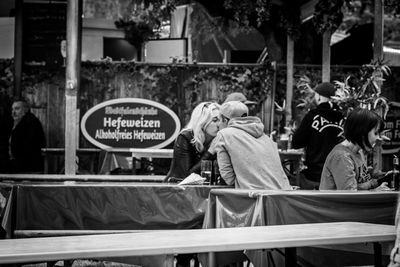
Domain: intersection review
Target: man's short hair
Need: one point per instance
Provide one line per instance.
(234, 109)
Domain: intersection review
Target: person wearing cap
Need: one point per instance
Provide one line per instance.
(246, 156)
(319, 131)
(238, 96)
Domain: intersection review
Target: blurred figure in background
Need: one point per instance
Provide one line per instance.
(247, 157)
(26, 140)
(6, 123)
(319, 131)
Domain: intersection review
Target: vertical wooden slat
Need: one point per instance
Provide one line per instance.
(289, 79)
(18, 47)
(326, 56)
(378, 54)
(268, 105)
(378, 29)
(74, 26)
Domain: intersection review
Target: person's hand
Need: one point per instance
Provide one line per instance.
(383, 187)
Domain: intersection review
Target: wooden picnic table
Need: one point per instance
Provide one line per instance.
(170, 242)
(243, 208)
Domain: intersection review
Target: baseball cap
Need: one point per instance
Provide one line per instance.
(237, 96)
(325, 89)
(234, 109)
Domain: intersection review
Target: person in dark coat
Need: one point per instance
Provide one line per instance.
(26, 141)
(6, 123)
(319, 131)
(193, 141)
(190, 148)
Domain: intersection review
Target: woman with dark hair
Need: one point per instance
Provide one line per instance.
(345, 167)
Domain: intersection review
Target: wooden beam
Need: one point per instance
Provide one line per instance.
(326, 56)
(19, 4)
(289, 79)
(72, 83)
(378, 29)
(378, 54)
(268, 105)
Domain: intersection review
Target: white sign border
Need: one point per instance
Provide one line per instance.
(130, 100)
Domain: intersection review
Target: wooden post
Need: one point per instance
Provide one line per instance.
(19, 4)
(72, 72)
(268, 105)
(378, 52)
(326, 56)
(378, 29)
(289, 79)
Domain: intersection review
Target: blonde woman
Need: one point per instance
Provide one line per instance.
(193, 141)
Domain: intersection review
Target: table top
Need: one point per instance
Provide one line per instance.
(255, 193)
(204, 240)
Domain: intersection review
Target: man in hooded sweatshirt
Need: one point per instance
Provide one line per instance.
(246, 156)
(319, 131)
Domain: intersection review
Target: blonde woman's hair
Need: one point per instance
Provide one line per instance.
(201, 117)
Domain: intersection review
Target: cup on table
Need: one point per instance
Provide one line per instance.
(206, 171)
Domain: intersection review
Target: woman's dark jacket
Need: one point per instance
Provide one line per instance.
(186, 158)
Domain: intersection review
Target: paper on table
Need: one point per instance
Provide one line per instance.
(193, 178)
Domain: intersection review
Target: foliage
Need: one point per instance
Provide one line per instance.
(6, 84)
(253, 81)
(7, 76)
(168, 83)
(328, 15)
(144, 18)
(364, 92)
(360, 89)
(244, 10)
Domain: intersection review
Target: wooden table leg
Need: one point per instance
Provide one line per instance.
(211, 259)
(290, 257)
(169, 261)
(377, 254)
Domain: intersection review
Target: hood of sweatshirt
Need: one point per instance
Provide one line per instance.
(251, 125)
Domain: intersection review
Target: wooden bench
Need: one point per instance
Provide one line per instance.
(170, 242)
(135, 153)
(81, 178)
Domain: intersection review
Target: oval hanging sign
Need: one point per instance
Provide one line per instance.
(130, 123)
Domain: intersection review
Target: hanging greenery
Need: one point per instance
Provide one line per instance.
(143, 19)
(362, 89)
(328, 15)
(364, 92)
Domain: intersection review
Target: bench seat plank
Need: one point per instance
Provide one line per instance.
(167, 242)
(82, 178)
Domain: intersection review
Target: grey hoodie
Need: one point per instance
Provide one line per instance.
(248, 157)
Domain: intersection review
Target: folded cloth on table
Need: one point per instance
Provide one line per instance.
(193, 178)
